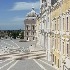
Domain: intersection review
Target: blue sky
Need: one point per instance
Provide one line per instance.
(13, 12)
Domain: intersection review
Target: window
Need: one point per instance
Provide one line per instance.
(67, 23)
(55, 26)
(27, 33)
(63, 23)
(60, 44)
(33, 38)
(33, 27)
(58, 25)
(48, 19)
(63, 47)
(33, 33)
(55, 43)
(58, 63)
(27, 38)
(27, 27)
(53, 57)
(67, 48)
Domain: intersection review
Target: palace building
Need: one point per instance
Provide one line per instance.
(55, 32)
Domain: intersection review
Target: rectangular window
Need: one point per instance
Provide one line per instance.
(58, 25)
(33, 38)
(55, 59)
(63, 47)
(58, 63)
(27, 27)
(27, 38)
(63, 23)
(33, 33)
(60, 43)
(55, 43)
(55, 26)
(67, 48)
(33, 27)
(27, 33)
(67, 23)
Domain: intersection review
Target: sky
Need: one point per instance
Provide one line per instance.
(13, 13)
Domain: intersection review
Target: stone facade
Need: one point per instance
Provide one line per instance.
(55, 31)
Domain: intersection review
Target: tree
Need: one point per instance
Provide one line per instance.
(22, 35)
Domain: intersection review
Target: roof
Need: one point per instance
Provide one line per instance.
(32, 13)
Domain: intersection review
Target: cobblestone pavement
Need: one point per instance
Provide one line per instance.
(20, 60)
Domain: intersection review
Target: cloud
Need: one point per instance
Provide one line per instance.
(25, 5)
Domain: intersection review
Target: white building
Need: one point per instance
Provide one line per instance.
(30, 22)
(45, 7)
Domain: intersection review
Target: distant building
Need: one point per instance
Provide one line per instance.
(30, 22)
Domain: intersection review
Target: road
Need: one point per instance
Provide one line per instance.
(24, 64)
